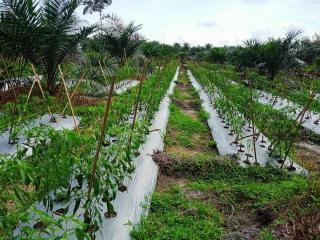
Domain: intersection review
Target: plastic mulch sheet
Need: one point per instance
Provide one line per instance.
(62, 123)
(281, 103)
(125, 85)
(225, 140)
(134, 203)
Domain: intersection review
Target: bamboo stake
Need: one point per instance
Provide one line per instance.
(156, 81)
(30, 91)
(6, 69)
(37, 80)
(101, 140)
(73, 93)
(138, 97)
(252, 121)
(298, 123)
(66, 90)
(103, 132)
(135, 110)
(10, 141)
(126, 64)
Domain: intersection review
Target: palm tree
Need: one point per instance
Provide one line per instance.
(278, 54)
(95, 84)
(42, 33)
(218, 55)
(119, 39)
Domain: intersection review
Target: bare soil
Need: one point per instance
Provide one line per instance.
(306, 227)
(308, 155)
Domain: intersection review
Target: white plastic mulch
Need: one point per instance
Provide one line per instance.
(281, 103)
(62, 123)
(134, 203)
(125, 85)
(225, 141)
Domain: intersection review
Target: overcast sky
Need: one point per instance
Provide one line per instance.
(219, 22)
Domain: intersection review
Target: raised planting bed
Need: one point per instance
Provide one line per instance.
(311, 120)
(66, 122)
(120, 168)
(238, 130)
(125, 85)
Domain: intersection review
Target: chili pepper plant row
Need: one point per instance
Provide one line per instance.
(59, 171)
(238, 106)
(283, 89)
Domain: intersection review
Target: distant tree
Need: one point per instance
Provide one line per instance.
(183, 57)
(208, 46)
(218, 55)
(309, 50)
(91, 6)
(177, 47)
(252, 53)
(151, 49)
(185, 47)
(277, 54)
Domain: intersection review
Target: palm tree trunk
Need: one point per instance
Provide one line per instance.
(51, 82)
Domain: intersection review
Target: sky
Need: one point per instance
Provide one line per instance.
(219, 22)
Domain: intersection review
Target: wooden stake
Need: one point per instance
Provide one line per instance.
(252, 121)
(73, 93)
(126, 64)
(66, 90)
(138, 97)
(6, 69)
(103, 133)
(37, 80)
(298, 123)
(15, 104)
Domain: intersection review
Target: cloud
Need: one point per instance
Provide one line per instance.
(208, 24)
(218, 22)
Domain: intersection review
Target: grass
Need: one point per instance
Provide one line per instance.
(182, 127)
(223, 182)
(180, 121)
(212, 183)
(175, 217)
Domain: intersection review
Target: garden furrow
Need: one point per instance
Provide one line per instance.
(188, 140)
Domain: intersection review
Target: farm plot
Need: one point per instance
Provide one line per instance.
(200, 195)
(127, 125)
(243, 117)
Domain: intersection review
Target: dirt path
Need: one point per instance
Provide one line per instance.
(185, 142)
(188, 133)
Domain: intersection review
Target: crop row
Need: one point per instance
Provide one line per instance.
(239, 105)
(61, 162)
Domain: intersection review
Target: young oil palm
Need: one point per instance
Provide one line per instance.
(43, 33)
(119, 39)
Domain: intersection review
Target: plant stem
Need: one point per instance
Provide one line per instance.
(101, 140)
(297, 125)
(252, 121)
